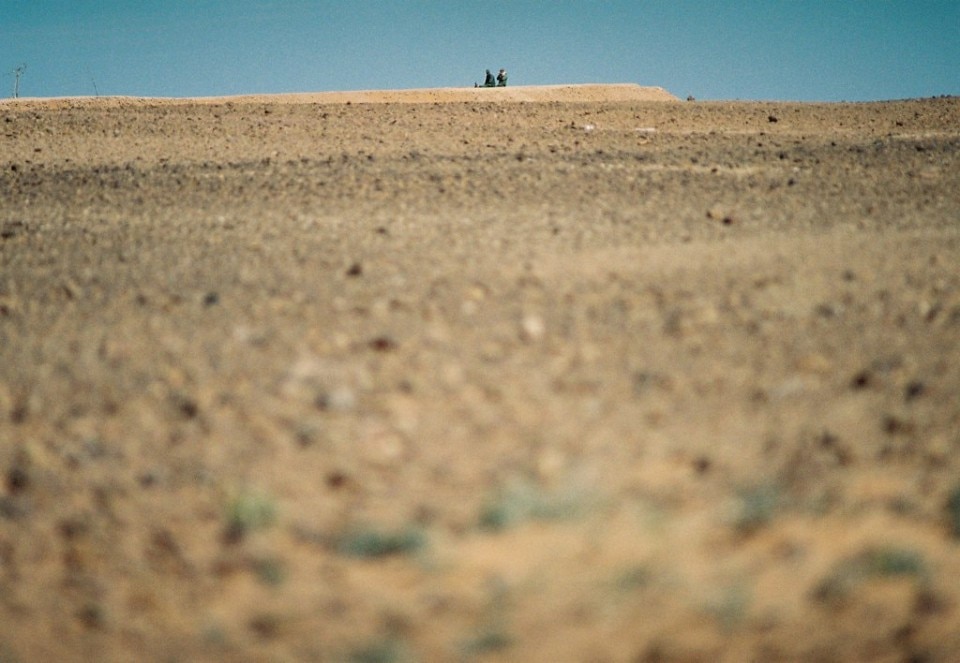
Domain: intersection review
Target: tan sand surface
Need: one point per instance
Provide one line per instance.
(511, 94)
(584, 378)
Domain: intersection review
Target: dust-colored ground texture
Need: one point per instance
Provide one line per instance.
(479, 376)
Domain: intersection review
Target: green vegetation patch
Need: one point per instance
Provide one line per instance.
(270, 571)
(633, 578)
(884, 562)
(523, 501)
(383, 651)
(488, 641)
(368, 543)
(953, 512)
(757, 507)
(247, 512)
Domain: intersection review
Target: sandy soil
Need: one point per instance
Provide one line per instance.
(291, 379)
(513, 93)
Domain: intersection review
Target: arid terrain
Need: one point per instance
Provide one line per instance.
(480, 375)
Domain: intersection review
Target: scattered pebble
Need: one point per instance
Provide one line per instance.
(720, 214)
(382, 344)
(339, 399)
(861, 380)
(914, 390)
(894, 425)
(17, 480)
(532, 328)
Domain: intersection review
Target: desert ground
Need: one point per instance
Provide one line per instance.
(571, 374)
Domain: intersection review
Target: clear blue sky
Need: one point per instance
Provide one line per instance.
(827, 50)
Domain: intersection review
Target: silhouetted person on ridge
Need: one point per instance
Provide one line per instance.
(488, 81)
(501, 78)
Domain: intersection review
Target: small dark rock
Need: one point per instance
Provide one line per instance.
(702, 464)
(72, 528)
(356, 269)
(148, 479)
(383, 344)
(896, 426)
(928, 602)
(306, 437)
(322, 401)
(17, 480)
(211, 298)
(826, 310)
(186, 407)
(233, 534)
(336, 480)
(718, 214)
(644, 380)
(914, 390)
(772, 118)
(831, 443)
(266, 626)
(861, 380)
(843, 457)
(92, 616)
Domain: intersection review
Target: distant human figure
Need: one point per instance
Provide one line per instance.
(502, 78)
(489, 81)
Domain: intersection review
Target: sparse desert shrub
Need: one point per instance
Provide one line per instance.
(757, 507)
(247, 512)
(953, 512)
(634, 577)
(270, 571)
(524, 501)
(730, 607)
(881, 562)
(384, 651)
(894, 562)
(490, 640)
(368, 543)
